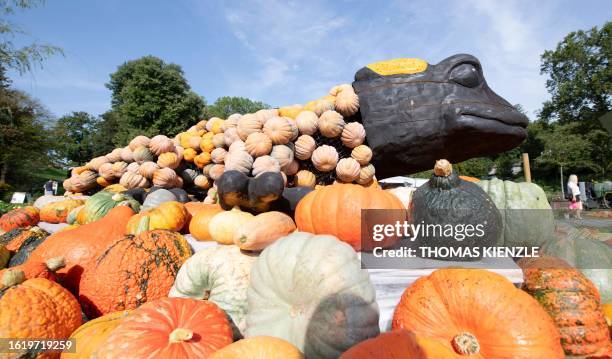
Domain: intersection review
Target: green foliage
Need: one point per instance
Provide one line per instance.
(6, 207)
(227, 105)
(73, 137)
(20, 58)
(151, 97)
(105, 130)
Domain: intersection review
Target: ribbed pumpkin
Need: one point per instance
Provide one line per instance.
(38, 308)
(198, 226)
(336, 210)
(169, 328)
(19, 217)
(479, 313)
(23, 242)
(571, 300)
(81, 245)
(311, 291)
(221, 275)
(132, 270)
(92, 334)
(170, 215)
(400, 344)
(57, 212)
(261, 347)
(98, 205)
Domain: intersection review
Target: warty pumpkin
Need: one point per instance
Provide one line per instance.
(221, 275)
(571, 300)
(400, 344)
(38, 308)
(21, 242)
(336, 210)
(479, 313)
(324, 308)
(57, 212)
(169, 328)
(81, 245)
(200, 218)
(19, 217)
(262, 230)
(92, 334)
(132, 270)
(260, 347)
(170, 215)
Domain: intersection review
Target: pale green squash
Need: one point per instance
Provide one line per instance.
(219, 274)
(98, 205)
(527, 215)
(311, 291)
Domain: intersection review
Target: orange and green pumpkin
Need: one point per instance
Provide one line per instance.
(21, 242)
(19, 217)
(57, 212)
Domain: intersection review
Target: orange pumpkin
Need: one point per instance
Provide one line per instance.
(336, 210)
(400, 344)
(169, 328)
(19, 217)
(170, 215)
(259, 347)
(469, 179)
(202, 159)
(38, 308)
(132, 270)
(92, 334)
(33, 269)
(262, 230)
(80, 246)
(198, 226)
(479, 313)
(189, 154)
(57, 212)
(194, 207)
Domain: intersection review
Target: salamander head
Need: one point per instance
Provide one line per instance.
(415, 113)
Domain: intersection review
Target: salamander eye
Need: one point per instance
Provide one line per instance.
(465, 75)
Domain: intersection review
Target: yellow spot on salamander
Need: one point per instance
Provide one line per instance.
(398, 66)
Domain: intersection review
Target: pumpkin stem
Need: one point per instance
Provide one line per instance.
(12, 277)
(465, 343)
(443, 168)
(118, 197)
(143, 225)
(55, 263)
(180, 335)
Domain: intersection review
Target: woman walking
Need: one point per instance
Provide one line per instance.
(574, 196)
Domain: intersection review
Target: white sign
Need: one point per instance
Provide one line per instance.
(18, 197)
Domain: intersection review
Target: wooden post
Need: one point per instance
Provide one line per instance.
(562, 190)
(526, 168)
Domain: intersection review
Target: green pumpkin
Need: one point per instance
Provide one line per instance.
(34, 236)
(527, 215)
(311, 291)
(98, 205)
(592, 257)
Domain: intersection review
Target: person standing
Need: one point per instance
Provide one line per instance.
(574, 196)
(48, 188)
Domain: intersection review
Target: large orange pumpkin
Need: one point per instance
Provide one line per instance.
(38, 308)
(132, 270)
(57, 212)
(479, 313)
(400, 344)
(81, 245)
(198, 226)
(336, 210)
(94, 333)
(169, 328)
(19, 217)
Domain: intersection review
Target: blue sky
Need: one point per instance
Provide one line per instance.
(290, 52)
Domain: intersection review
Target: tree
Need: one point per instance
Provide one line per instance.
(73, 137)
(20, 58)
(580, 77)
(227, 105)
(105, 130)
(152, 97)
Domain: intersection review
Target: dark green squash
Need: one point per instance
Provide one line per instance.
(21, 242)
(254, 194)
(448, 202)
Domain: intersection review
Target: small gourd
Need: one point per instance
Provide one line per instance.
(106, 171)
(258, 144)
(348, 170)
(248, 124)
(188, 175)
(338, 88)
(239, 161)
(95, 163)
(347, 102)
(139, 141)
(218, 140)
(126, 155)
(132, 167)
(230, 135)
(283, 154)
(279, 130)
(366, 174)
(202, 182)
(331, 124)
(291, 168)
(265, 164)
(169, 159)
(218, 155)
(362, 154)
(189, 154)
(114, 155)
(164, 177)
(202, 159)
(160, 144)
(119, 168)
(307, 122)
(206, 144)
(194, 142)
(305, 178)
(147, 169)
(322, 105)
(304, 146)
(237, 146)
(325, 158)
(210, 123)
(290, 111)
(133, 180)
(143, 154)
(231, 121)
(353, 134)
(216, 171)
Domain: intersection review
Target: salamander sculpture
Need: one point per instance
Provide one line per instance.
(415, 113)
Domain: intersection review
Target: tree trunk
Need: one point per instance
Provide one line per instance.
(3, 172)
(562, 190)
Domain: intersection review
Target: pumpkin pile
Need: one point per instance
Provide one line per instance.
(308, 145)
